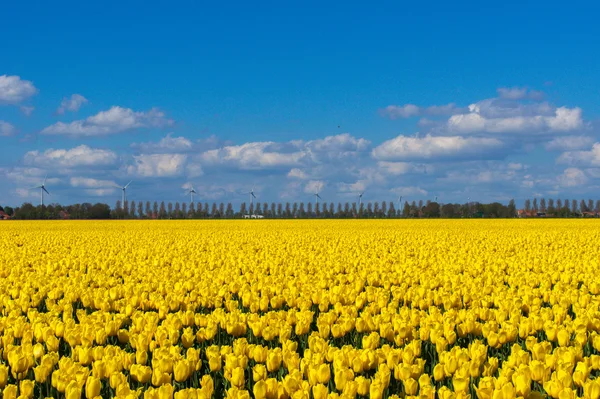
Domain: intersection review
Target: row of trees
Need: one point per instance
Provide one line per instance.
(560, 208)
(56, 211)
(414, 209)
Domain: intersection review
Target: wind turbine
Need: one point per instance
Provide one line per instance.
(124, 194)
(42, 188)
(400, 203)
(317, 197)
(360, 195)
(252, 196)
(191, 191)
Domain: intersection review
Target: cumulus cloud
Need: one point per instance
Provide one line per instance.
(398, 168)
(254, 156)
(27, 111)
(72, 103)
(405, 148)
(100, 192)
(166, 144)
(6, 129)
(591, 157)
(297, 174)
(572, 177)
(412, 191)
(569, 143)
(411, 110)
(563, 119)
(87, 182)
(13, 89)
(115, 120)
(157, 165)
(519, 93)
(314, 186)
(75, 157)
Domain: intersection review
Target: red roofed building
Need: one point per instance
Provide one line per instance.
(4, 216)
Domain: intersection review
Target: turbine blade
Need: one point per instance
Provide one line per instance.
(128, 184)
(45, 177)
(44, 188)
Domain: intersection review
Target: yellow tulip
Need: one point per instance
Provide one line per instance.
(260, 389)
(237, 377)
(363, 385)
(181, 370)
(73, 391)
(3, 375)
(320, 391)
(10, 392)
(93, 387)
(26, 388)
(411, 386)
(591, 390)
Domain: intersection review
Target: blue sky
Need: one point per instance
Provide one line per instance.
(455, 101)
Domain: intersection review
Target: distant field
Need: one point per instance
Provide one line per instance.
(300, 309)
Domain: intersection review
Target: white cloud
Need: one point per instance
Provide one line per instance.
(411, 110)
(100, 192)
(591, 157)
(341, 143)
(6, 129)
(358, 186)
(166, 144)
(254, 156)
(194, 169)
(519, 93)
(78, 156)
(473, 177)
(297, 174)
(87, 182)
(401, 111)
(314, 186)
(13, 90)
(115, 120)
(27, 111)
(396, 168)
(515, 166)
(564, 119)
(572, 177)
(404, 148)
(25, 193)
(71, 104)
(157, 165)
(409, 191)
(569, 143)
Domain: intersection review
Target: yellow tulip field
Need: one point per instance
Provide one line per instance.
(449, 309)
